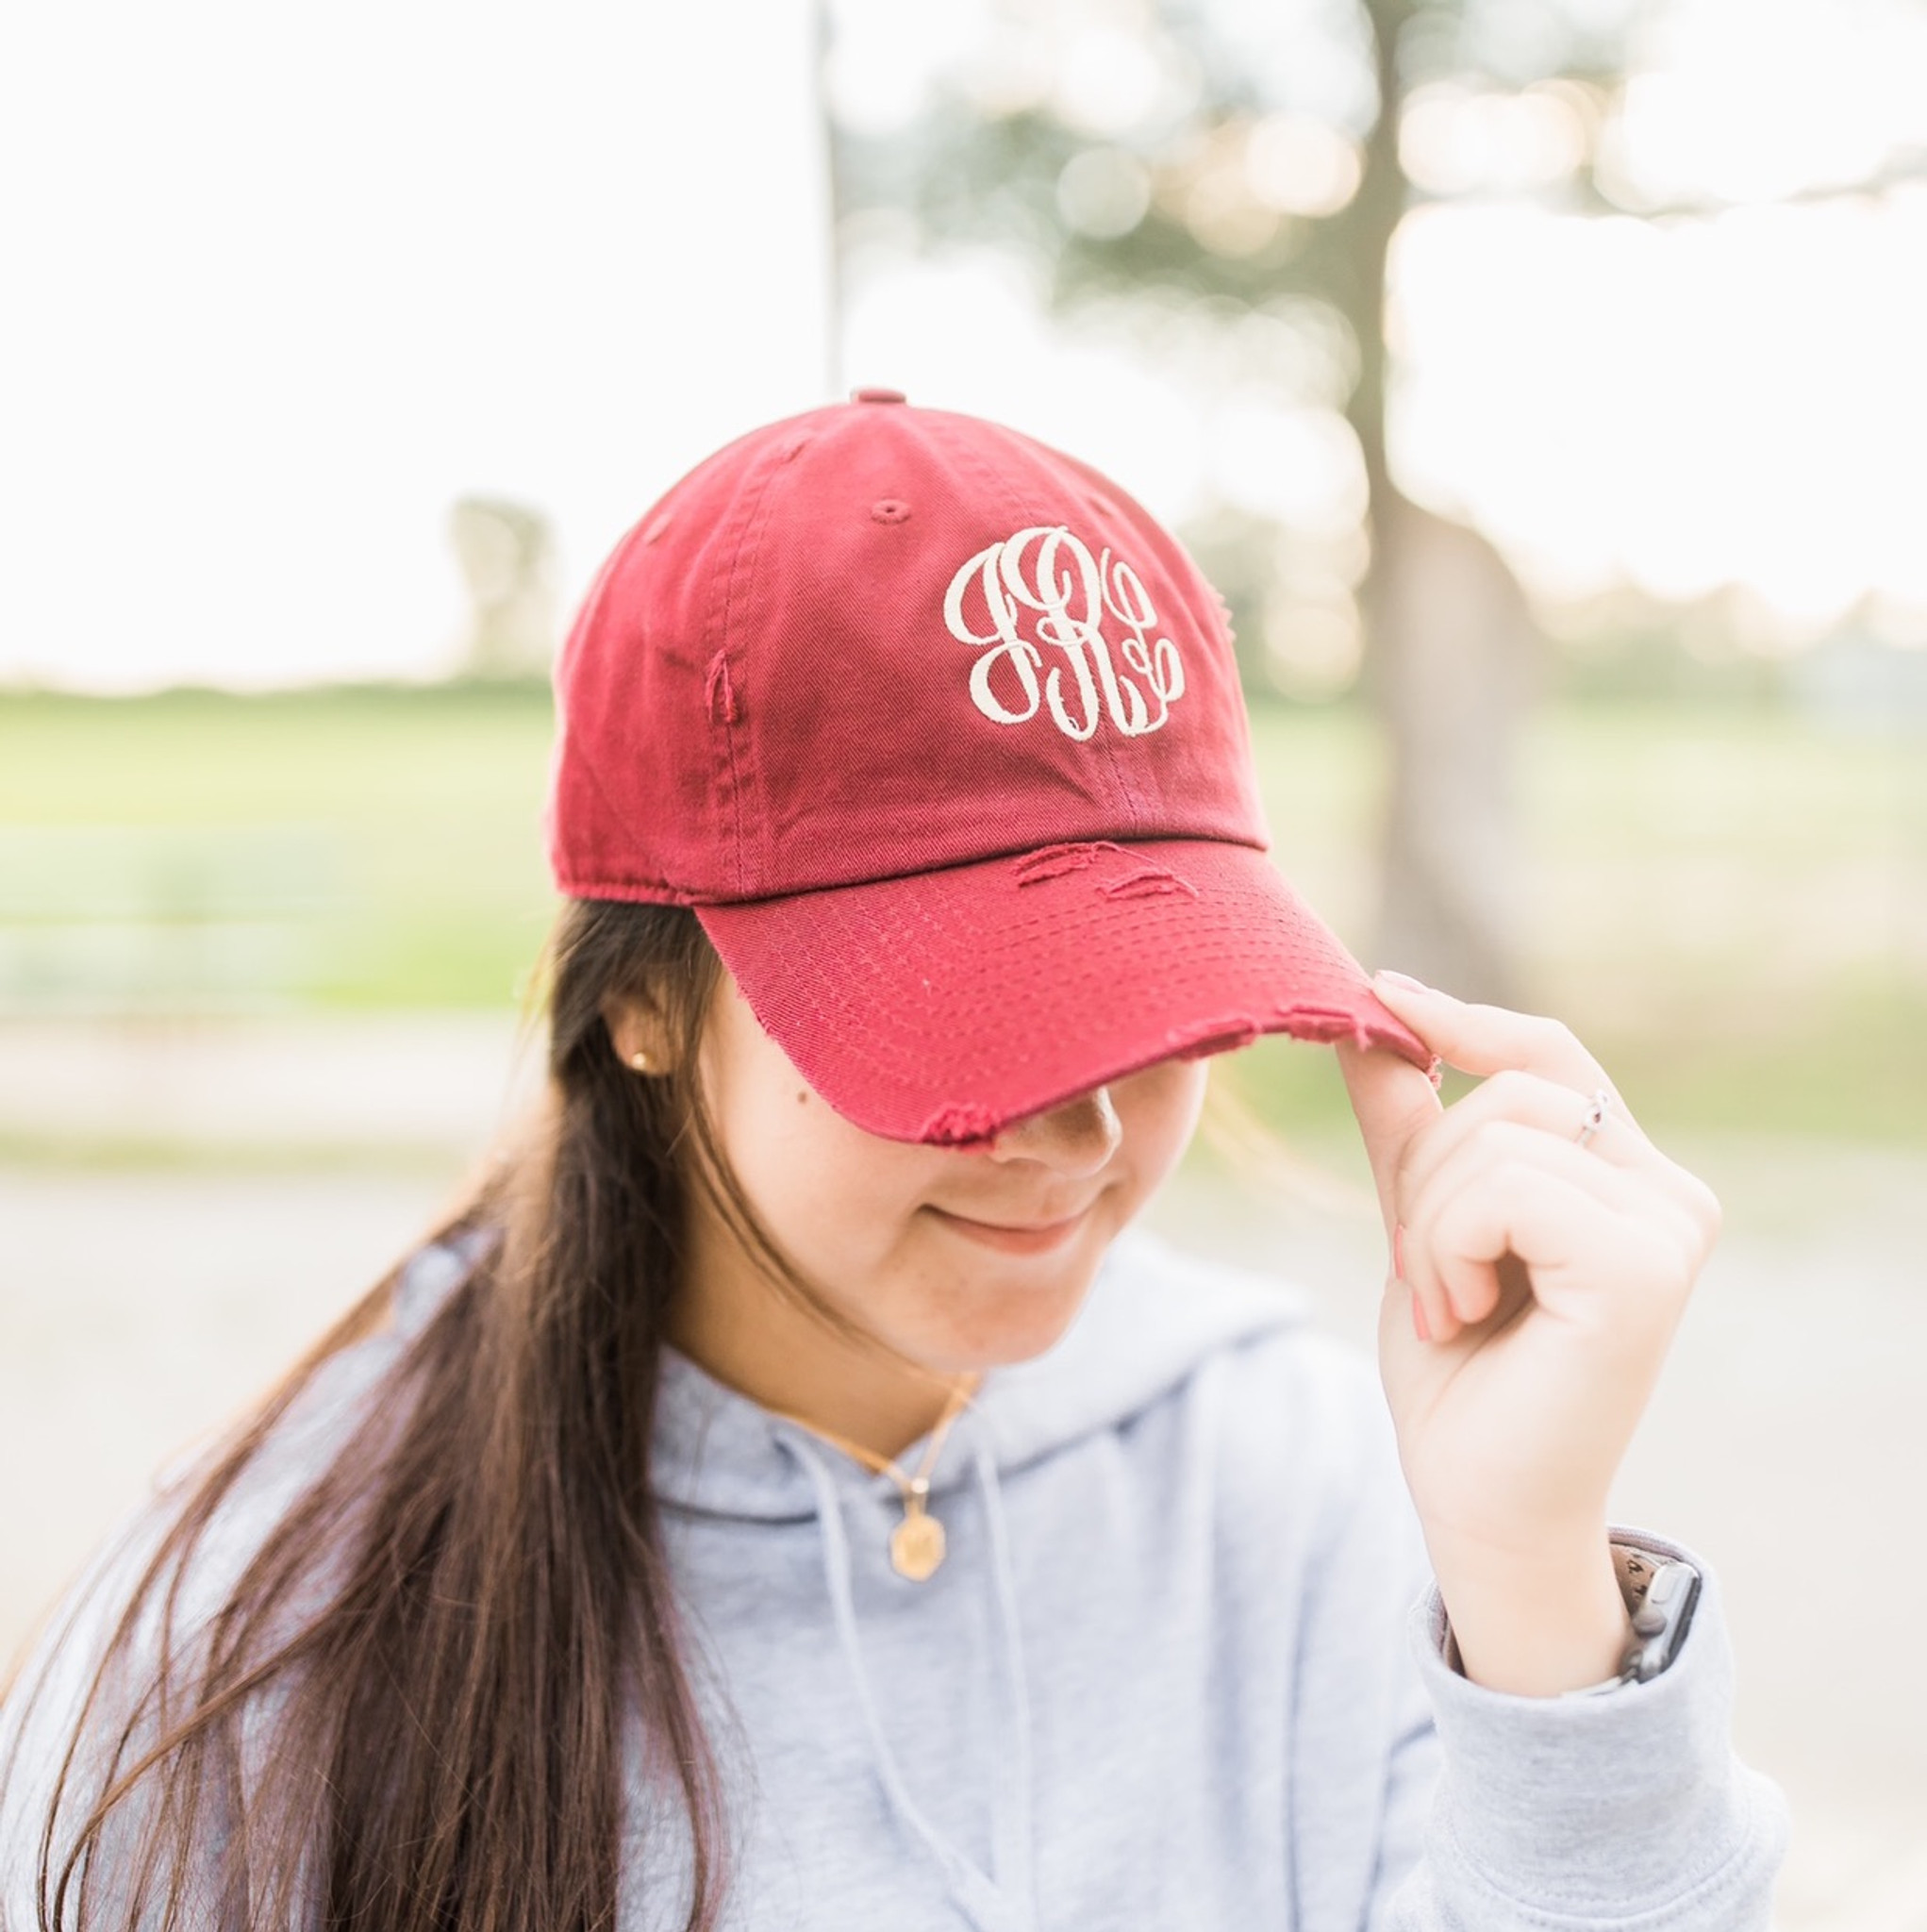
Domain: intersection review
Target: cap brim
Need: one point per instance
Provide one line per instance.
(942, 1006)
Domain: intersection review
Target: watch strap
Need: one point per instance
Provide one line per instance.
(1660, 1595)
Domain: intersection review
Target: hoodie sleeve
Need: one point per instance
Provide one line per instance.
(1426, 1803)
(1620, 1810)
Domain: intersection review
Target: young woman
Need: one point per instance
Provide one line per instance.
(787, 1495)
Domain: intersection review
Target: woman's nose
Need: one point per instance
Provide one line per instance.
(1076, 1137)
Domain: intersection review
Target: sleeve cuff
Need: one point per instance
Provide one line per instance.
(1601, 1803)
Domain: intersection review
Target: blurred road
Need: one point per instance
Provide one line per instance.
(139, 1304)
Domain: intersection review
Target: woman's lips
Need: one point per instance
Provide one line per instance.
(1036, 1238)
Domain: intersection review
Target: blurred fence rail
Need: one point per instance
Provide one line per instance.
(130, 919)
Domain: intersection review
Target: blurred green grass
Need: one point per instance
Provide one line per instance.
(1730, 905)
(380, 846)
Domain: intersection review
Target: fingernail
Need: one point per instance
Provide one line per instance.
(1398, 1249)
(1403, 979)
(1418, 1323)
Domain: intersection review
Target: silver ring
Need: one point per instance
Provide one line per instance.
(1596, 1111)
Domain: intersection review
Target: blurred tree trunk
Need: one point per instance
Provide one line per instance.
(1450, 651)
(1451, 662)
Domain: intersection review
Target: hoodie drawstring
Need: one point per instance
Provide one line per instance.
(1005, 1906)
(1012, 1839)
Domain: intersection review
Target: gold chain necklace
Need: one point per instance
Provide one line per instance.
(916, 1543)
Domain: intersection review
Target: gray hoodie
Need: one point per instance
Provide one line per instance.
(1182, 1668)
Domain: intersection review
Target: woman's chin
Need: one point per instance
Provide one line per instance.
(995, 1327)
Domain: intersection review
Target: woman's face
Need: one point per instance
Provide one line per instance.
(958, 1258)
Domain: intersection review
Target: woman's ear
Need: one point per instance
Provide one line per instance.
(637, 1032)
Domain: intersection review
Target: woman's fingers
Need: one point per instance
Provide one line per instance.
(1495, 1200)
(1524, 1100)
(1487, 1199)
(1489, 1040)
(1394, 1103)
(1518, 1117)
(1492, 1184)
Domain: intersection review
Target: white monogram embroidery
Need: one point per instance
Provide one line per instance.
(1048, 572)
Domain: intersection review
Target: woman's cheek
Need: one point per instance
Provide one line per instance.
(1161, 1108)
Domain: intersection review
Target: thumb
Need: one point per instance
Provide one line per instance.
(1392, 1101)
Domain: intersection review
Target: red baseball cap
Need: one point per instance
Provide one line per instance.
(940, 734)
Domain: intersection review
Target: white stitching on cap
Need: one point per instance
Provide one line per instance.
(1047, 571)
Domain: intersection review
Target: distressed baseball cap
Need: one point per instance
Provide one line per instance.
(940, 735)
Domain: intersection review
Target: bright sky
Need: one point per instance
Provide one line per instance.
(1739, 401)
(1687, 402)
(285, 283)
(279, 293)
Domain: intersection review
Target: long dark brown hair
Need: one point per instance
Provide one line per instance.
(444, 1641)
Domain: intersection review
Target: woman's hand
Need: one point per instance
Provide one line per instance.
(1535, 1290)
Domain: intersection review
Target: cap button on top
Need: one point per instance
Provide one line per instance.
(878, 396)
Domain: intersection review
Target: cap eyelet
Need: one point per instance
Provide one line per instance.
(891, 510)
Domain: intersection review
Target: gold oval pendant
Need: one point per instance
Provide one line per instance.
(916, 1546)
